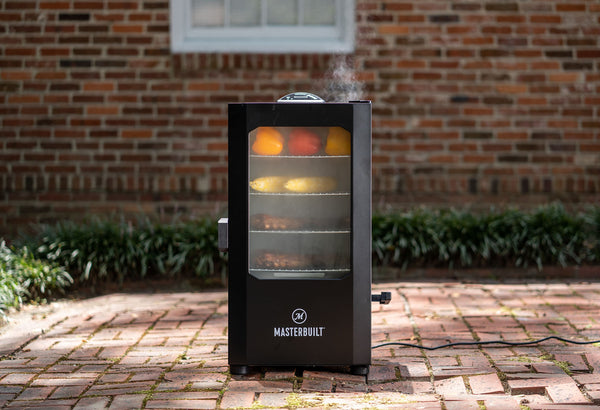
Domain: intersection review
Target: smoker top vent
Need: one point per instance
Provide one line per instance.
(301, 97)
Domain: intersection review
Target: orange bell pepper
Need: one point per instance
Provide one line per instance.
(338, 142)
(268, 141)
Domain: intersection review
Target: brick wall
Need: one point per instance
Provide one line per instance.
(474, 102)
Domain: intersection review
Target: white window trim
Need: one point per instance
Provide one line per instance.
(289, 39)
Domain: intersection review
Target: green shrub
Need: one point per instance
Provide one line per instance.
(451, 238)
(107, 251)
(103, 251)
(592, 219)
(23, 277)
(551, 236)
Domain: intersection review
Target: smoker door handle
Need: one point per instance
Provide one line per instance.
(223, 234)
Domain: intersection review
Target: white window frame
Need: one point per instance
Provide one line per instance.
(281, 39)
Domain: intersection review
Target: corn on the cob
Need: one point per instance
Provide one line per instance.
(311, 184)
(269, 184)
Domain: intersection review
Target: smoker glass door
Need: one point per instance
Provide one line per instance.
(299, 203)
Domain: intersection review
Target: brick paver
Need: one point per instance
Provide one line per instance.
(169, 350)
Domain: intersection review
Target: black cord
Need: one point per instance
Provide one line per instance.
(489, 342)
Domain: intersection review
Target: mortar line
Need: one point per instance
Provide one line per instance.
(415, 328)
(500, 374)
(113, 363)
(162, 375)
(33, 338)
(50, 365)
(583, 356)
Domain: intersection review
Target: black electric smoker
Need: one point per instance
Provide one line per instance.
(299, 234)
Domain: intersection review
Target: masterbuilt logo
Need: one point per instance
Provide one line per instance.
(299, 317)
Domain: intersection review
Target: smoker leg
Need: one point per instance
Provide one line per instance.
(360, 370)
(239, 370)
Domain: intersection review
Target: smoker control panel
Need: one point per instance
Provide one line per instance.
(223, 234)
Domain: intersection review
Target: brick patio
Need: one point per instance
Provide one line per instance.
(169, 350)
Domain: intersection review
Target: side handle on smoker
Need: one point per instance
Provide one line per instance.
(383, 298)
(223, 234)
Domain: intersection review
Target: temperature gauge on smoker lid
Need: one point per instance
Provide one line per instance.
(301, 97)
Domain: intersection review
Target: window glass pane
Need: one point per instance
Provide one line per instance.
(319, 12)
(245, 13)
(208, 13)
(282, 12)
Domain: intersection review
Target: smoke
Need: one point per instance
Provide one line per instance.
(341, 84)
